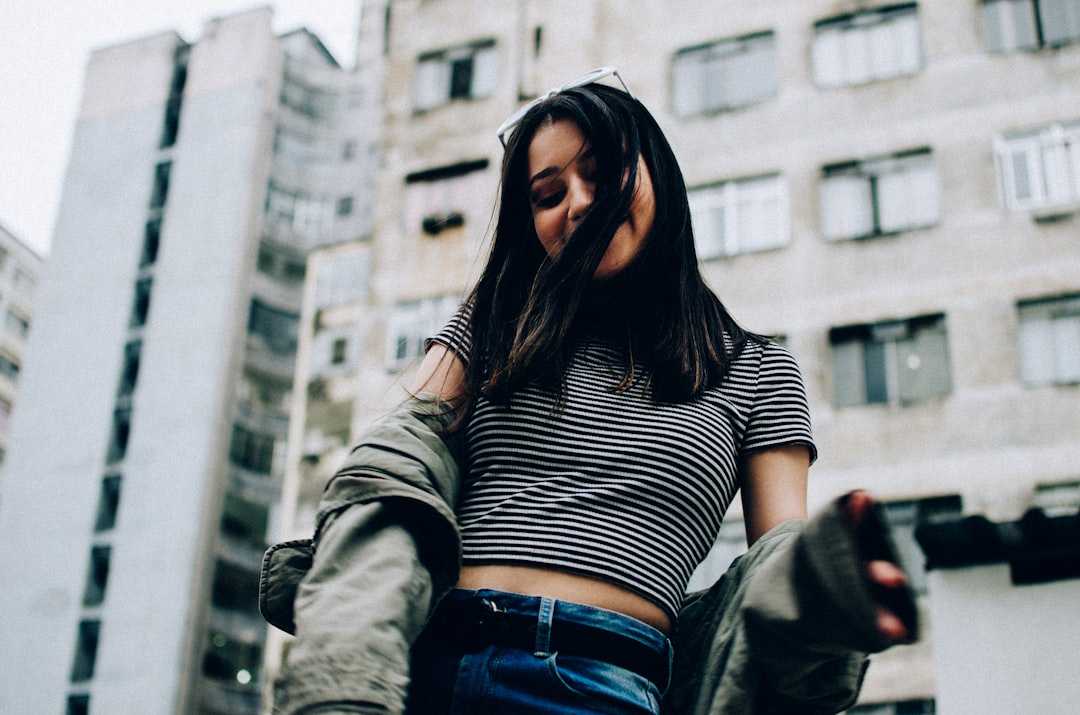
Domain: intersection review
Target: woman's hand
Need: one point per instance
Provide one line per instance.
(887, 578)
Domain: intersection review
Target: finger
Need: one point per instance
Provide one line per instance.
(890, 626)
(856, 505)
(886, 574)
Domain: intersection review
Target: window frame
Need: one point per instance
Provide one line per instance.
(411, 323)
(439, 75)
(1053, 323)
(1022, 25)
(1050, 156)
(898, 193)
(733, 200)
(706, 76)
(879, 363)
(837, 39)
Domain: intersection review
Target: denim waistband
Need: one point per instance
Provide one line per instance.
(472, 619)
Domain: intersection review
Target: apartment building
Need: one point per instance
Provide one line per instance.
(892, 189)
(20, 270)
(148, 451)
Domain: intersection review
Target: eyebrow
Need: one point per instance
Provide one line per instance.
(585, 154)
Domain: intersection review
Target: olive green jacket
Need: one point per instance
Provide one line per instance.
(784, 631)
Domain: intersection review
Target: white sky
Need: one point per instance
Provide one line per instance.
(44, 47)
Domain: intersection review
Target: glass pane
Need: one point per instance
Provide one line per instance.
(485, 66)
(1067, 348)
(857, 62)
(1036, 348)
(1022, 184)
(846, 207)
(752, 74)
(1055, 162)
(688, 84)
(828, 59)
(923, 365)
(908, 44)
(707, 217)
(849, 384)
(432, 84)
(877, 381)
(908, 197)
(1010, 25)
(1059, 21)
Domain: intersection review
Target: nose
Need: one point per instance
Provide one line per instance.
(580, 197)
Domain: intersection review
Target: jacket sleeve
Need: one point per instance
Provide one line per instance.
(788, 628)
(386, 550)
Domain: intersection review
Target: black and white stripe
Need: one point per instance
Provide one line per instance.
(613, 485)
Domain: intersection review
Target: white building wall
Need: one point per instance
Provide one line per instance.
(1008, 649)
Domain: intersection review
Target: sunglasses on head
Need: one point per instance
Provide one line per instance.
(588, 78)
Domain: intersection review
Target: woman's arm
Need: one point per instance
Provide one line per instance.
(774, 488)
(441, 373)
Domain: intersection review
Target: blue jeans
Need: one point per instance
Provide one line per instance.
(465, 664)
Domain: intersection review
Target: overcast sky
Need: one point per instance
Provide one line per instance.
(44, 47)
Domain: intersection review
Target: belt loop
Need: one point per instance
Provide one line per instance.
(543, 627)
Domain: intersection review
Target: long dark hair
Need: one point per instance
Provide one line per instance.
(525, 304)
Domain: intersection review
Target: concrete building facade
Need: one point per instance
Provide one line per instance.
(20, 271)
(147, 457)
(893, 189)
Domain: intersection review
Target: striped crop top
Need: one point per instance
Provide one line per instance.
(613, 485)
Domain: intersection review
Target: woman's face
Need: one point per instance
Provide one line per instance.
(562, 173)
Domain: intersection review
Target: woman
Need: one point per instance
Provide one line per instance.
(607, 408)
(611, 408)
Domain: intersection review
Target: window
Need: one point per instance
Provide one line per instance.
(1059, 499)
(438, 200)
(235, 588)
(338, 351)
(1040, 168)
(129, 374)
(245, 520)
(296, 211)
(345, 206)
(1050, 341)
(724, 75)
(151, 242)
(78, 704)
(1013, 25)
(310, 101)
(176, 95)
(108, 503)
(121, 433)
(140, 310)
(231, 660)
(85, 651)
(897, 362)
(97, 576)
(414, 322)
(9, 367)
(25, 283)
(16, 324)
(739, 217)
(5, 414)
(251, 450)
(903, 516)
(879, 196)
(161, 185)
(867, 46)
(278, 328)
(342, 278)
(466, 72)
